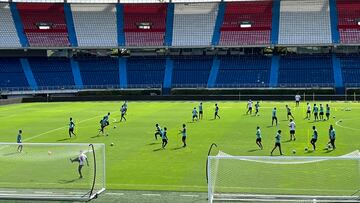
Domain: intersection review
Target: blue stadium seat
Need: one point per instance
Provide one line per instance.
(52, 72)
(191, 71)
(350, 66)
(12, 74)
(306, 71)
(145, 71)
(244, 71)
(99, 72)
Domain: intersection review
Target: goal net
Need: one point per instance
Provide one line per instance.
(284, 179)
(44, 171)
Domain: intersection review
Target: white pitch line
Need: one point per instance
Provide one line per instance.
(5, 191)
(114, 193)
(189, 195)
(337, 123)
(151, 194)
(40, 192)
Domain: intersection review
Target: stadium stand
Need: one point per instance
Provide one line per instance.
(246, 23)
(99, 72)
(95, 25)
(191, 71)
(303, 71)
(350, 66)
(243, 71)
(52, 72)
(194, 24)
(145, 71)
(144, 24)
(12, 74)
(8, 33)
(50, 17)
(348, 21)
(305, 23)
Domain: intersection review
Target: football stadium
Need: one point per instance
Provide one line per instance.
(179, 101)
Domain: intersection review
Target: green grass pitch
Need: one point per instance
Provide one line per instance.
(137, 162)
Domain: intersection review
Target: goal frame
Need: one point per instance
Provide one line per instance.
(92, 193)
(278, 197)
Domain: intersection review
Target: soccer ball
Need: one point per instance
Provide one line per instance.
(333, 116)
(114, 126)
(112, 144)
(306, 149)
(49, 153)
(294, 151)
(328, 146)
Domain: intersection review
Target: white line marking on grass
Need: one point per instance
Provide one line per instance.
(76, 193)
(151, 194)
(189, 195)
(41, 192)
(5, 191)
(337, 123)
(114, 193)
(56, 129)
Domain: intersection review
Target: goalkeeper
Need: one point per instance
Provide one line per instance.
(81, 159)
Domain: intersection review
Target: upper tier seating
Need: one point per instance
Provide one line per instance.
(258, 13)
(95, 25)
(8, 34)
(307, 22)
(152, 15)
(348, 17)
(194, 24)
(49, 13)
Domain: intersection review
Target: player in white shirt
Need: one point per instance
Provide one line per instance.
(249, 106)
(194, 114)
(297, 100)
(81, 159)
(292, 127)
(258, 137)
(308, 111)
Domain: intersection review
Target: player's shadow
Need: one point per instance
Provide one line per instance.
(254, 150)
(63, 139)
(270, 126)
(286, 141)
(67, 181)
(177, 148)
(96, 136)
(159, 149)
(328, 151)
(154, 143)
(309, 151)
(11, 153)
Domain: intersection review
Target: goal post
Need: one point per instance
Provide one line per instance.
(284, 178)
(50, 171)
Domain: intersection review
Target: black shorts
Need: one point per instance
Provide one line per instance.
(250, 108)
(200, 112)
(277, 145)
(216, 113)
(292, 131)
(297, 102)
(195, 116)
(274, 118)
(327, 114)
(164, 140)
(321, 113)
(183, 138)
(71, 129)
(315, 114)
(313, 140)
(308, 111)
(258, 139)
(289, 114)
